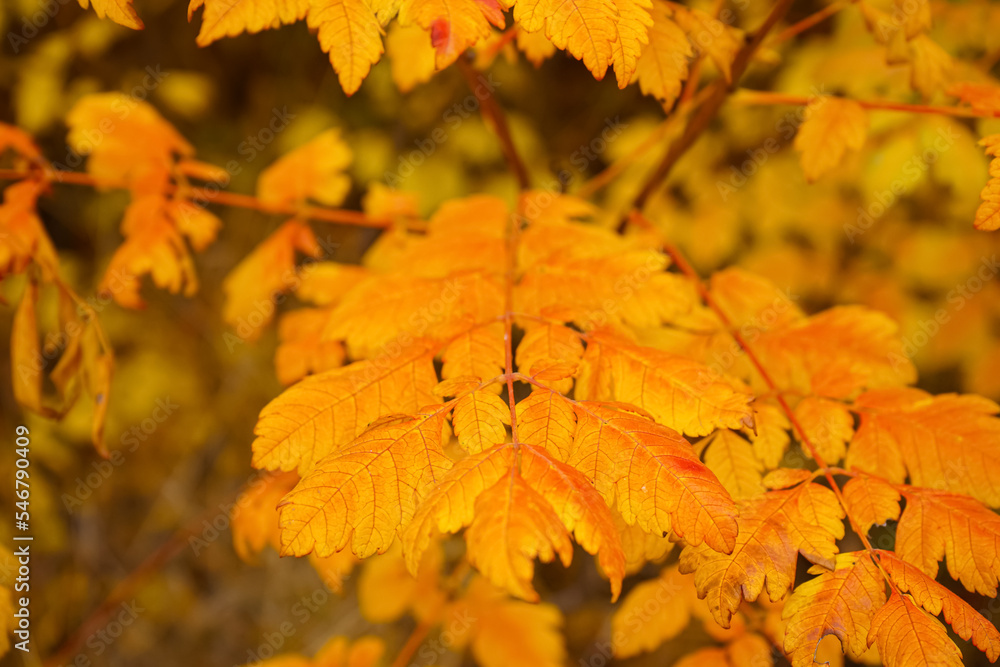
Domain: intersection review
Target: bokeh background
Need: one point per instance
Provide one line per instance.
(728, 202)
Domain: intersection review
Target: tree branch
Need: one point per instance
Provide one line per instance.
(719, 91)
(491, 110)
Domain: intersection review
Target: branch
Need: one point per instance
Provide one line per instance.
(212, 196)
(491, 110)
(810, 21)
(746, 96)
(719, 92)
(685, 268)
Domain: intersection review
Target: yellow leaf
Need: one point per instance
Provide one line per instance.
(479, 421)
(547, 421)
(497, 619)
(125, 140)
(585, 28)
(324, 412)
(228, 18)
(653, 612)
(710, 36)
(932, 66)
(680, 393)
(253, 286)
(535, 46)
(312, 171)
(663, 66)
(831, 127)
(26, 359)
(938, 525)
(119, 11)
(478, 353)
(773, 529)
(770, 434)
(732, 460)
(363, 493)
(350, 33)
(829, 426)
(633, 27)
(301, 350)
(255, 515)
(411, 56)
(450, 506)
(454, 25)
(871, 501)
(513, 525)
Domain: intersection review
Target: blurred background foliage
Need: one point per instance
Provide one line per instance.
(728, 202)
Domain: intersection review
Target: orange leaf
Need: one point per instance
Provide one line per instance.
(773, 529)
(654, 474)
(937, 524)
(943, 442)
(841, 602)
(312, 171)
(935, 598)
(324, 412)
(905, 636)
(252, 288)
(363, 493)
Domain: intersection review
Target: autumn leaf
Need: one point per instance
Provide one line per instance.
(905, 635)
(942, 442)
(454, 25)
(361, 494)
(831, 127)
(121, 124)
(935, 599)
(938, 525)
(119, 11)
(679, 393)
(653, 612)
(311, 171)
(22, 237)
(228, 18)
(349, 32)
(841, 602)
(326, 411)
(497, 618)
(871, 501)
(988, 213)
(586, 29)
(663, 65)
(253, 286)
(773, 529)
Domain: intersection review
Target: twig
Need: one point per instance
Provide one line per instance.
(746, 96)
(127, 588)
(719, 92)
(491, 109)
(211, 196)
(810, 21)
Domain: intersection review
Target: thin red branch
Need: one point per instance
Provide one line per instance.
(211, 196)
(719, 92)
(745, 96)
(491, 110)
